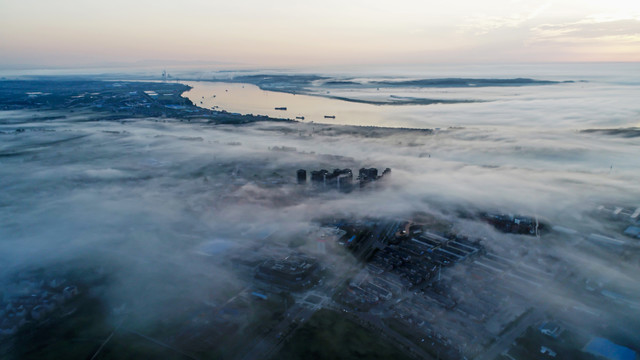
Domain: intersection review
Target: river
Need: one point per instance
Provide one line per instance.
(593, 103)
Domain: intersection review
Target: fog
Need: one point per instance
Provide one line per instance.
(586, 95)
(142, 198)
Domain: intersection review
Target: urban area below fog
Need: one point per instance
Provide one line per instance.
(134, 221)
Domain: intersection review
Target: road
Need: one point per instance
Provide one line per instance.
(510, 336)
(378, 325)
(266, 346)
(376, 239)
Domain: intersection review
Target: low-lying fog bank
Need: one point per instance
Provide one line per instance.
(145, 195)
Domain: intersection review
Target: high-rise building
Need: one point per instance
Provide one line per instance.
(319, 177)
(302, 176)
(367, 175)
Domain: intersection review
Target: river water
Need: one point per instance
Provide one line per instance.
(581, 104)
(250, 99)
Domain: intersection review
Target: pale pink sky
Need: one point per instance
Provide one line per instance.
(288, 32)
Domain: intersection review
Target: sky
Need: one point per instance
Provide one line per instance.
(331, 32)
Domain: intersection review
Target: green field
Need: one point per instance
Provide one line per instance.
(327, 335)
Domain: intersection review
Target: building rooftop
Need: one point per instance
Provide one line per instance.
(633, 231)
(608, 350)
(550, 329)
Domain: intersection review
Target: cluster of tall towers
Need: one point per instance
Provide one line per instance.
(341, 179)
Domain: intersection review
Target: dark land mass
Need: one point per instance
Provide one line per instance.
(310, 84)
(357, 130)
(342, 83)
(283, 83)
(306, 83)
(632, 132)
(300, 81)
(465, 82)
(115, 100)
(405, 101)
(328, 335)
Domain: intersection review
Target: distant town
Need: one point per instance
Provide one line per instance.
(114, 100)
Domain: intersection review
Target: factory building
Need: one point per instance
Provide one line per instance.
(293, 272)
(605, 349)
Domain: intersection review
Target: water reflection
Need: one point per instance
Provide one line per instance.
(250, 99)
(574, 105)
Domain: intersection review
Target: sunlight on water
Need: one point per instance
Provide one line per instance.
(566, 105)
(249, 99)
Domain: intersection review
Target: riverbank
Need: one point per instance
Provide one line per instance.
(323, 86)
(114, 100)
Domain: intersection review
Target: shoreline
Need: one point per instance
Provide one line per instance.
(397, 101)
(171, 103)
(303, 84)
(114, 99)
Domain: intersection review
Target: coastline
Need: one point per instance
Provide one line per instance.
(320, 86)
(119, 100)
(116, 103)
(114, 100)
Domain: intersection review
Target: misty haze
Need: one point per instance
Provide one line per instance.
(335, 204)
